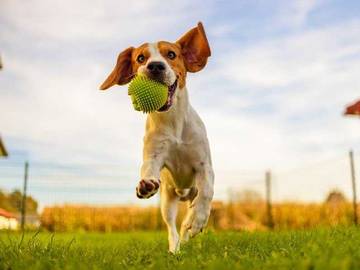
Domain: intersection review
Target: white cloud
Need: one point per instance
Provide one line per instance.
(297, 58)
(100, 20)
(275, 103)
(298, 86)
(296, 12)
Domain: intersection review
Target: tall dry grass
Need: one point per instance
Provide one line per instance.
(224, 216)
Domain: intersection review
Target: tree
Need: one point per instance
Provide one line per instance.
(12, 202)
(335, 197)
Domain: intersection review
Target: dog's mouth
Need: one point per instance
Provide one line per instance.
(170, 100)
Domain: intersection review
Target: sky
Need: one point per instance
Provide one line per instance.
(271, 96)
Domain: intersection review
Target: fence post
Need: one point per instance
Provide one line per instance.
(270, 220)
(23, 202)
(353, 181)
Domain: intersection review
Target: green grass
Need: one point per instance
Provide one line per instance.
(313, 249)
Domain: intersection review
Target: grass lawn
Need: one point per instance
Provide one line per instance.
(312, 249)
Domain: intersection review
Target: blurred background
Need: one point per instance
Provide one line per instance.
(272, 96)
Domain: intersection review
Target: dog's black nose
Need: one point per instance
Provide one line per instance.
(156, 67)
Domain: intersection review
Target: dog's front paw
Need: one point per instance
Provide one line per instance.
(147, 188)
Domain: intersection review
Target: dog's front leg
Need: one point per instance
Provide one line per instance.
(199, 209)
(150, 172)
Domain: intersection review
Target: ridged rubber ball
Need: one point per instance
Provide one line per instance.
(147, 95)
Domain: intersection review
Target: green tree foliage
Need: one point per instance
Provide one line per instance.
(12, 202)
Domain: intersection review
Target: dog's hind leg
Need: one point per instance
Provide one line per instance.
(169, 207)
(200, 206)
(190, 196)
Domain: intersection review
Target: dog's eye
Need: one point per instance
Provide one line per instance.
(171, 55)
(140, 58)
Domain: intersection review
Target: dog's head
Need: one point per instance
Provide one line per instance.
(163, 61)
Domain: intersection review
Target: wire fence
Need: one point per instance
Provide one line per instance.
(104, 185)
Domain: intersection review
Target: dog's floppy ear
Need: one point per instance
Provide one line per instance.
(122, 72)
(195, 48)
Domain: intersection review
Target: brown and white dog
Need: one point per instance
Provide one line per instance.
(176, 148)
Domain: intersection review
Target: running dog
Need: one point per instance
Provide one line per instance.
(176, 155)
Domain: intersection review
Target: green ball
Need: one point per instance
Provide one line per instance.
(147, 95)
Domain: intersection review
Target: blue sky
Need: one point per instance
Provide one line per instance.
(271, 95)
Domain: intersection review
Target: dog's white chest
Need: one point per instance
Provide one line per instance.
(180, 164)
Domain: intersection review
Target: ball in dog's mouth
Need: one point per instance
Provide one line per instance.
(169, 102)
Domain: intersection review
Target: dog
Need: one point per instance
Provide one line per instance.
(176, 153)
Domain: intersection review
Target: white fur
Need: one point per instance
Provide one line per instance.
(176, 150)
(155, 55)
